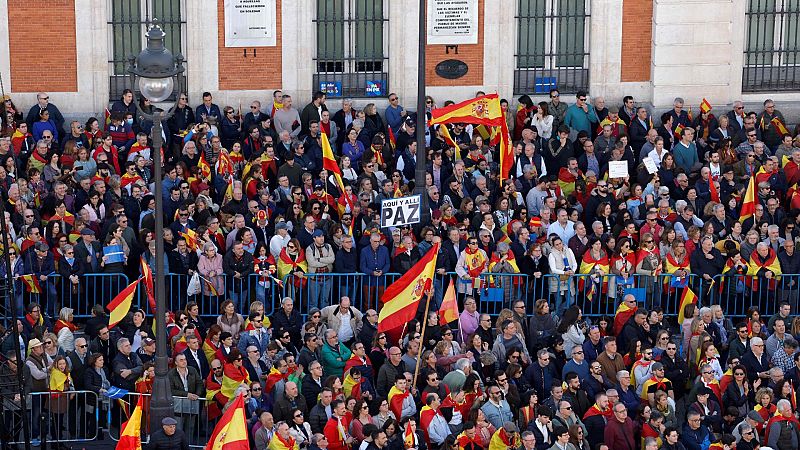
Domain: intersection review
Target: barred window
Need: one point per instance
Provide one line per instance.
(352, 47)
(552, 46)
(128, 23)
(772, 48)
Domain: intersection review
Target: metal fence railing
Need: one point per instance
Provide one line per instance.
(597, 296)
(71, 416)
(192, 417)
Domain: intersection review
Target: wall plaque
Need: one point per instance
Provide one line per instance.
(250, 23)
(452, 69)
(452, 22)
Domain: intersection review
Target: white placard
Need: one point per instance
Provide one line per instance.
(396, 212)
(452, 22)
(250, 23)
(650, 165)
(617, 169)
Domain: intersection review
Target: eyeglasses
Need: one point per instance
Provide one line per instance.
(216, 368)
(393, 99)
(256, 389)
(48, 342)
(298, 415)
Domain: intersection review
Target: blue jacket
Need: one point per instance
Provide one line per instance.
(698, 439)
(213, 111)
(246, 339)
(374, 260)
(393, 118)
(579, 120)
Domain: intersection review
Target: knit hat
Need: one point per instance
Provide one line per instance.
(535, 222)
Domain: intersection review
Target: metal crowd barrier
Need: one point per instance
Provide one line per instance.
(92, 289)
(494, 292)
(191, 416)
(70, 416)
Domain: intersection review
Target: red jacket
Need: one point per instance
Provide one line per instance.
(619, 436)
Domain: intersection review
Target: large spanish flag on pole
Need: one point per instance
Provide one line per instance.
(121, 304)
(483, 110)
(749, 202)
(401, 299)
(231, 430)
(131, 436)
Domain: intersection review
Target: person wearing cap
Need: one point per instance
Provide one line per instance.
(169, 437)
(747, 429)
(320, 257)
(36, 378)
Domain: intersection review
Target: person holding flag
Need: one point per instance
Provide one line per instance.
(770, 126)
(336, 429)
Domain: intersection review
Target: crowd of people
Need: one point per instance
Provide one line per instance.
(248, 195)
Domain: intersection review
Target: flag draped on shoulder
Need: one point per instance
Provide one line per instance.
(130, 438)
(624, 312)
(396, 398)
(402, 297)
(231, 430)
(121, 304)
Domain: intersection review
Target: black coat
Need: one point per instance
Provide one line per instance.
(754, 365)
(291, 323)
(160, 441)
(92, 382)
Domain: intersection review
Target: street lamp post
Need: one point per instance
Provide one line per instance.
(422, 122)
(157, 71)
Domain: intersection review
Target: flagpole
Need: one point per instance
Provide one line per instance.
(422, 335)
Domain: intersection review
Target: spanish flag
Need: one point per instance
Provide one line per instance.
(624, 312)
(121, 304)
(660, 384)
(448, 312)
(687, 297)
(274, 377)
(409, 437)
(483, 110)
(287, 265)
(205, 169)
(396, 398)
(212, 290)
(329, 164)
(392, 140)
(59, 382)
(31, 283)
(191, 238)
(130, 438)
(502, 441)
(566, 180)
(705, 106)
(749, 202)
(231, 430)
(450, 142)
(779, 126)
(757, 266)
(147, 274)
(712, 188)
(232, 378)
(351, 387)
(506, 149)
(224, 164)
(679, 130)
(402, 297)
(278, 443)
(726, 379)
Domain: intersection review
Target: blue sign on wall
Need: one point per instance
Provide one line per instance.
(331, 88)
(375, 88)
(543, 85)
